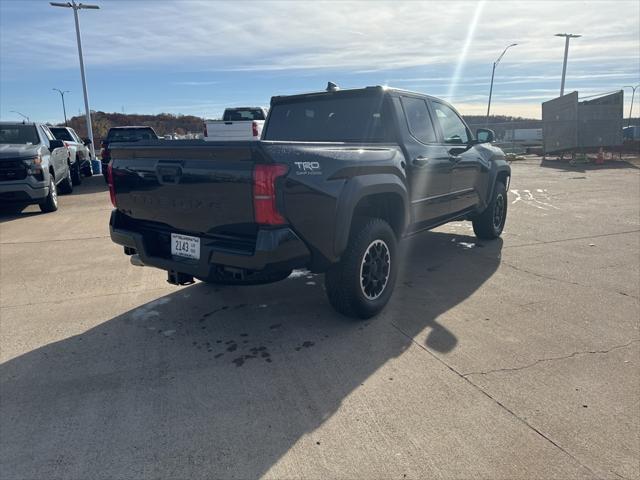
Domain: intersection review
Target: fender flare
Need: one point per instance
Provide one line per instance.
(495, 171)
(356, 189)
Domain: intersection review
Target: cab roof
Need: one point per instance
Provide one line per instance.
(380, 89)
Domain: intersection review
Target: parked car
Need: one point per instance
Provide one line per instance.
(33, 165)
(79, 151)
(120, 135)
(338, 179)
(240, 123)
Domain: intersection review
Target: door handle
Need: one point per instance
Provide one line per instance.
(420, 161)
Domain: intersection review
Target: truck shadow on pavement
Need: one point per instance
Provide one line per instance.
(221, 382)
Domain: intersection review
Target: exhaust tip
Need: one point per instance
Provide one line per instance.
(136, 260)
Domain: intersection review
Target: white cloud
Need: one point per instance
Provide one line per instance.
(299, 38)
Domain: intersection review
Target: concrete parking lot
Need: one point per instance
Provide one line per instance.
(517, 358)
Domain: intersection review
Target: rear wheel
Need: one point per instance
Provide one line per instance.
(50, 203)
(66, 185)
(86, 169)
(361, 284)
(490, 223)
(76, 174)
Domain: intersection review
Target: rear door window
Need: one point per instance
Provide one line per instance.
(418, 119)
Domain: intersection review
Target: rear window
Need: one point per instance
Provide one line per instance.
(335, 118)
(238, 114)
(19, 135)
(62, 134)
(131, 134)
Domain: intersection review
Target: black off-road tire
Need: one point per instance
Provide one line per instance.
(66, 185)
(361, 284)
(489, 224)
(87, 169)
(50, 203)
(257, 278)
(76, 174)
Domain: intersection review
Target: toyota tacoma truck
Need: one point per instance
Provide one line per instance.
(239, 123)
(337, 180)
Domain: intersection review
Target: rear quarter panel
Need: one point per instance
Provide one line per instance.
(316, 195)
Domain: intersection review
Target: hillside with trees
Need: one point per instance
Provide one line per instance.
(163, 123)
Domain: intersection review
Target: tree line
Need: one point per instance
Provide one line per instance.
(163, 123)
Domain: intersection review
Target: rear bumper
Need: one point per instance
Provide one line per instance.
(275, 250)
(25, 191)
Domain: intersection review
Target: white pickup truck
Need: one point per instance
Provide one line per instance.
(240, 123)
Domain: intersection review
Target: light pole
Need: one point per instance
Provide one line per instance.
(567, 36)
(21, 114)
(633, 94)
(64, 109)
(78, 6)
(493, 72)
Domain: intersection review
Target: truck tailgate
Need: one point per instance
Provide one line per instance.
(221, 130)
(188, 186)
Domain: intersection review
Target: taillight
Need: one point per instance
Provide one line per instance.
(264, 194)
(112, 190)
(254, 128)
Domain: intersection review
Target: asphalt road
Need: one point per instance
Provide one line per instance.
(517, 358)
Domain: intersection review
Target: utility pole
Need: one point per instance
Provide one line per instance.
(567, 37)
(493, 72)
(633, 94)
(78, 6)
(64, 109)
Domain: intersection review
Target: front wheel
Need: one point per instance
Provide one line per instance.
(50, 203)
(361, 284)
(490, 223)
(66, 185)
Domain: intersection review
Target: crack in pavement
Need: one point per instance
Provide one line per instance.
(495, 400)
(560, 280)
(570, 239)
(551, 359)
(55, 302)
(56, 240)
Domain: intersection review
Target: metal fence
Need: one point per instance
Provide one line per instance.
(569, 125)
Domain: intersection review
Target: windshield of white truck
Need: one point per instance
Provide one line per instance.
(331, 119)
(242, 114)
(18, 135)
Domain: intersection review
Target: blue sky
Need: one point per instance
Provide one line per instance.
(197, 57)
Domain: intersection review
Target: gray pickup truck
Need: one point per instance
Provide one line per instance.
(34, 165)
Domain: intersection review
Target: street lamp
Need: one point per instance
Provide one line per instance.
(633, 94)
(21, 114)
(78, 6)
(493, 72)
(64, 110)
(567, 36)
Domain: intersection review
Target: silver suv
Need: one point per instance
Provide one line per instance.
(34, 165)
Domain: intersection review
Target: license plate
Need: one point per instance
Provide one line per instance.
(185, 246)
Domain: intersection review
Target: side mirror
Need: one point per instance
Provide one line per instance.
(485, 135)
(53, 144)
(86, 141)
